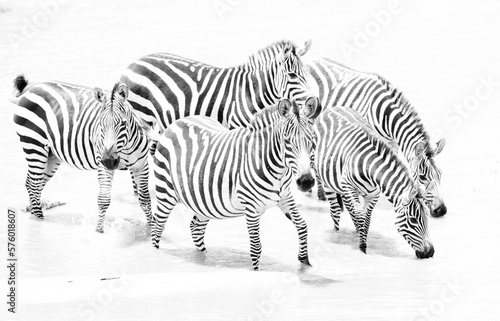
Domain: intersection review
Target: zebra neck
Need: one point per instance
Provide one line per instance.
(257, 88)
(406, 127)
(265, 153)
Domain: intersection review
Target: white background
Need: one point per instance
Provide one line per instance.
(440, 54)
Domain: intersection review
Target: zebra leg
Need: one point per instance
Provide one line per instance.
(253, 225)
(370, 204)
(40, 170)
(105, 178)
(198, 232)
(141, 182)
(34, 186)
(51, 168)
(335, 208)
(358, 214)
(321, 191)
(134, 184)
(166, 199)
(288, 206)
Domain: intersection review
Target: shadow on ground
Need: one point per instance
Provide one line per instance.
(377, 244)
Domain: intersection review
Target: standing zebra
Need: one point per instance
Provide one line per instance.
(85, 128)
(220, 173)
(350, 159)
(386, 109)
(165, 87)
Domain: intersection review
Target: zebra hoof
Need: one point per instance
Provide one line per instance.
(322, 197)
(255, 268)
(99, 230)
(305, 261)
(156, 245)
(362, 247)
(336, 228)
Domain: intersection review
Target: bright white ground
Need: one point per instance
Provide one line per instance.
(438, 55)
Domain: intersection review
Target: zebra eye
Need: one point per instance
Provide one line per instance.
(422, 177)
(413, 220)
(292, 75)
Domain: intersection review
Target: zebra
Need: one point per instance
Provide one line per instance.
(86, 128)
(385, 108)
(221, 173)
(351, 160)
(166, 87)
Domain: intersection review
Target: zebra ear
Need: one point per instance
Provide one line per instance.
(284, 107)
(419, 149)
(312, 107)
(98, 94)
(122, 90)
(439, 146)
(302, 51)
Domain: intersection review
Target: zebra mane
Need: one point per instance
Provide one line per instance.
(407, 109)
(257, 122)
(113, 92)
(261, 59)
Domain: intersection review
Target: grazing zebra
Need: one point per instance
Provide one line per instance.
(220, 173)
(386, 109)
(165, 87)
(351, 160)
(85, 128)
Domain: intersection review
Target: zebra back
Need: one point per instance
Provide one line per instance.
(165, 87)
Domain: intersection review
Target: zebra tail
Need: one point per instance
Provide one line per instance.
(20, 84)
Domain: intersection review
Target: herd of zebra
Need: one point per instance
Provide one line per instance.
(229, 142)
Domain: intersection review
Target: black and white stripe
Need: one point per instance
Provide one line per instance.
(220, 173)
(386, 109)
(85, 128)
(165, 87)
(351, 160)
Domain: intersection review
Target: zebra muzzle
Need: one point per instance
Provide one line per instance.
(111, 163)
(439, 211)
(428, 252)
(305, 182)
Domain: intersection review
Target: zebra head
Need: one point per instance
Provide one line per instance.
(427, 173)
(298, 136)
(412, 216)
(114, 119)
(290, 74)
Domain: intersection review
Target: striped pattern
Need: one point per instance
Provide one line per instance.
(220, 173)
(352, 161)
(386, 109)
(165, 87)
(84, 128)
